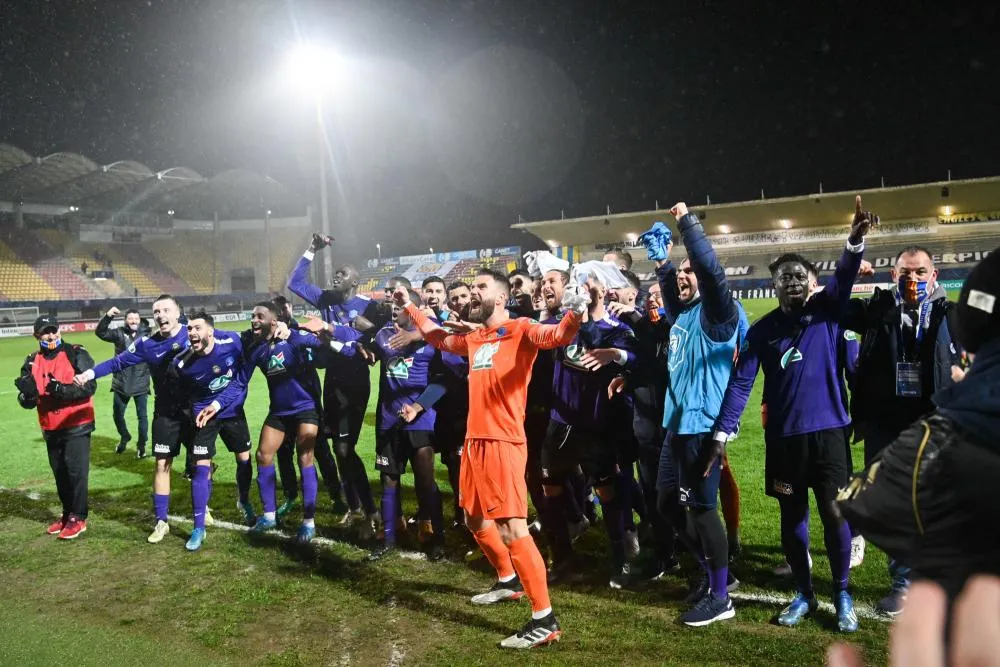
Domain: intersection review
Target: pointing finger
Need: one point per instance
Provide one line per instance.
(857, 206)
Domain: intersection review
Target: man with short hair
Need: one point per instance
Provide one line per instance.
(458, 299)
(493, 491)
(66, 415)
(129, 383)
(435, 296)
(620, 258)
(706, 325)
(172, 421)
(347, 383)
(211, 373)
(907, 355)
(294, 411)
(796, 344)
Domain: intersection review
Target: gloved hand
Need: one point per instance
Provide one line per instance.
(55, 388)
(319, 242)
(656, 241)
(26, 386)
(576, 298)
(531, 264)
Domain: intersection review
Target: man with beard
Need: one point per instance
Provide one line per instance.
(522, 286)
(409, 387)
(294, 411)
(172, 421)
(347, 384)
(459, 297)
(493, 491)
(796, 344)
(908, 354)
(435, 297)
(705, 327)
(580, 432)
(211, 373)
(322, 455)
(130, 383)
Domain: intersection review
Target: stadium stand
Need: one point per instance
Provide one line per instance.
(51, 265)
(191, 256)
(373, 278)
(20, 282)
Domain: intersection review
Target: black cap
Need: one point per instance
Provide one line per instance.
(44, 322)
(979, 305)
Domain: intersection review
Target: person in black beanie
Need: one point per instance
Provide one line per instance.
(929, 497)
(66, 415)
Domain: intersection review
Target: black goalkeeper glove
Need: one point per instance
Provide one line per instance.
(26, 385)
(56, 389)
(319, 242)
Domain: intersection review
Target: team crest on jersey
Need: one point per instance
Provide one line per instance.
(850, 335)
(678, 341)
(131, 348)
(399, 367)
(483, 359)
(175, 346)
(216, 369)
(793, 355)
(276, 363)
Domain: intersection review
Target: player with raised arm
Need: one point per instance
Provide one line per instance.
(211, 374)
(294, 408)
(410, 385)
(172, 422)
(347, 383)
(131, 383)
(493, 490)
(797, 346)
(706, 324)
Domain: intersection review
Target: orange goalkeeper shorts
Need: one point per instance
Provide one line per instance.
(491, 484)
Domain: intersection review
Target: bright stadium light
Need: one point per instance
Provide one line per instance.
(947, 210)
(786, 223)
(314, 68)
(631, 237)
(724, 229)
(552, 243)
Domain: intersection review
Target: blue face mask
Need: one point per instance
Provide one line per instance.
(913, 292)
(50, 345)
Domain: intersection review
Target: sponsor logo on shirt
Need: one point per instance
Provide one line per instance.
(276, 364)
(220, 382)
(200, 450)
(131, 348)
(399, 367)
(790, 357)
(483, 359)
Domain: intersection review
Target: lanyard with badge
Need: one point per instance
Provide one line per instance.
(909, 379)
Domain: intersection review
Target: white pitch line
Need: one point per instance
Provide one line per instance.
(861, 609)
(322, 541)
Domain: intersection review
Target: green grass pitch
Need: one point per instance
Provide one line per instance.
(110, 598)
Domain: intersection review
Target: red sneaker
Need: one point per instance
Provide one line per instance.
(73, 528)
(56, 527)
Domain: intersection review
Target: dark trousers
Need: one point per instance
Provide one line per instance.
(69, 458)
(140, 410)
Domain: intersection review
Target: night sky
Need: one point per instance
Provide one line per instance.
(453, 118)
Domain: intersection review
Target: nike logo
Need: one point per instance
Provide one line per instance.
(343, 435)
(160, 355)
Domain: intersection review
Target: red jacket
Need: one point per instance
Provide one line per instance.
(72, 407)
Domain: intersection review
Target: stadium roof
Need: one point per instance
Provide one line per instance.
(903, 203)
(73, 180)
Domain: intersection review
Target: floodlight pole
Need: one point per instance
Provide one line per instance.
(324, 197)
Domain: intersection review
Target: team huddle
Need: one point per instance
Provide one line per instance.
(555, 383)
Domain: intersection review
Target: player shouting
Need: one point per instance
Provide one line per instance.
(493, 490)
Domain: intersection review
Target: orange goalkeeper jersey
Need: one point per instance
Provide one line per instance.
(500, 363)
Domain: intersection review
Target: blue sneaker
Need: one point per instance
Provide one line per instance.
(306, 534)
(847, 620)
(892, 604)
(798, 609)
(709, 610)
(246, 511)
(197, 537)
(263, 525)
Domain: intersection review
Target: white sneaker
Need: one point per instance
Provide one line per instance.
(209, 519)
(857, 551)
(370, 526)
(785, 570)
(159, 532)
